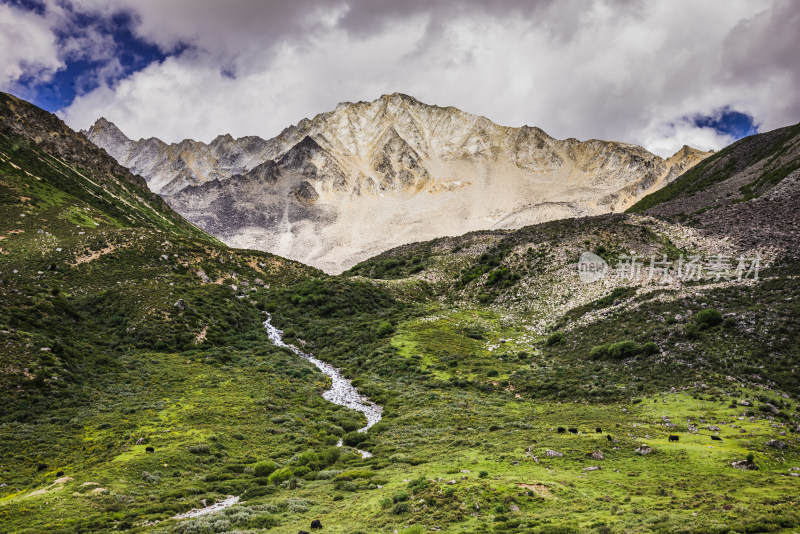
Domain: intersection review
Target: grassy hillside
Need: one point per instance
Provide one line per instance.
(123, 327)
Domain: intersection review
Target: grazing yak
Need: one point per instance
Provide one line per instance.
(149, 449)
(561, 430)
(716, 438)
(598, 430)
(302, 532)
(316, 525)
(60, 474)
(674, 438)
(609, 438)
(41, 467)
(573, 430)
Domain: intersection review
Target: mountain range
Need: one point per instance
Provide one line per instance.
(338, 188)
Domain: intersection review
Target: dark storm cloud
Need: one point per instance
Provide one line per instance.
(766, 49)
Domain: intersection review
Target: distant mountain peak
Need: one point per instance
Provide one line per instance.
(366, 176)
(104, 125)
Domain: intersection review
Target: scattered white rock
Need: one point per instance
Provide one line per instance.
(744, 465)
(216, 507)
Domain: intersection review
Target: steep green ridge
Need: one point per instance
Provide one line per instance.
(774, 154)
(123, 327)
(43, 159)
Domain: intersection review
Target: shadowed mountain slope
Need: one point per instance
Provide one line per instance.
(748, 192)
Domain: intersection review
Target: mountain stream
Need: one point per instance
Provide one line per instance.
(341, 392)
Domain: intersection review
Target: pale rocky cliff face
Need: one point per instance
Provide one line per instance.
(345, 185)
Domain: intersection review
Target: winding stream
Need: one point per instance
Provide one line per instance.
(341, 392)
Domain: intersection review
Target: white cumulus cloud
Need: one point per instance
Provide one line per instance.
(28, 48)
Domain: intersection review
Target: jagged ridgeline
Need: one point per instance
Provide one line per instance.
(347, 184)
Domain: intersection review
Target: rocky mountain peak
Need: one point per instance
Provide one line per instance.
(102, 124)
(106, 129)
(367, 176)
(224, 139)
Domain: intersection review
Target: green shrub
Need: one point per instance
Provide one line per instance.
(650, 348)
(309, 458)
(623, 349)
(331, 456)
(385, 328)
(554, 339)
(354, 439)
(708, 318)
(599, 352)
(483, 474)
(301, 471)
(401, 508)
(418, 484)
(400, 497)
(281, 475)
(265, 468)
(474, 331)
(346, 485)
(263, 521)
(199, 449)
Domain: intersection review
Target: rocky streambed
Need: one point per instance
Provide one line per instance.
(341, 392)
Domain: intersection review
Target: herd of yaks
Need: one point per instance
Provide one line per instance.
(598, 430)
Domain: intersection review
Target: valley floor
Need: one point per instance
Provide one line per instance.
(448, 457)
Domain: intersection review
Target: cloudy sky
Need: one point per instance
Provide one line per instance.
(659, 74)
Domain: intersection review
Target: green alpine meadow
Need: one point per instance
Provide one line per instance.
(273, 267)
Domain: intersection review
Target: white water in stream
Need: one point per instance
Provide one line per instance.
(342, 393)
